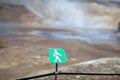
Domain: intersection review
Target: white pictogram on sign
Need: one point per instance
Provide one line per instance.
(57, 56)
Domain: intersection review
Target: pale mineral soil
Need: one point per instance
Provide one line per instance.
(23, 53)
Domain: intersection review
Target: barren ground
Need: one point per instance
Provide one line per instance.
(23, 54)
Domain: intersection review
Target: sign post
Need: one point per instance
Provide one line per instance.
(56, 71)
(57, 56)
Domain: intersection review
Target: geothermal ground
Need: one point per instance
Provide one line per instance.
(25, 39)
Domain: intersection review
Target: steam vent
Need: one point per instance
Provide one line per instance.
(87, 30)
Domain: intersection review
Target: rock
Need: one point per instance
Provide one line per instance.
(105, 65)
(1, 7)
(3, 43)
(119, 27)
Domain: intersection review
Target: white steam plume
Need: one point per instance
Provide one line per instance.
(57, 12)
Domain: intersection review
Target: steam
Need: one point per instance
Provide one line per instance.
(68, 14)
(57, 12)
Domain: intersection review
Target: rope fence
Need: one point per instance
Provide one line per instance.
(56, 73)
(66, 73)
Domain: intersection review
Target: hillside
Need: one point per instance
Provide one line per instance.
(86, 29)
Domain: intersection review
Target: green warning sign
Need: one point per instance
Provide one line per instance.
(57, 55)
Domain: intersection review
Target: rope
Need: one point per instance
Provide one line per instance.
(66, 73)
(98, 74)
(44, 75)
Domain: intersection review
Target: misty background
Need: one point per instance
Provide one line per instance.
(90, 20)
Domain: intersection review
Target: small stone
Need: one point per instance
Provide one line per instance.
(77, 77)
(37, 57)
(73, 59)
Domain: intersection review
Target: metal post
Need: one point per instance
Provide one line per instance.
(56, 71)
